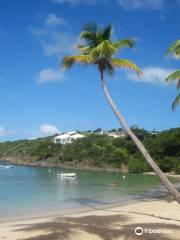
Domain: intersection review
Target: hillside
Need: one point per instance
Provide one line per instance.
(98, 151)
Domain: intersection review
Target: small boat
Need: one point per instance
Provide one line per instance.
(5, 166)
(66, 175)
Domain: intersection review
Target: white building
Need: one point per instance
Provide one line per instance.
(117, 134)
(68, 137)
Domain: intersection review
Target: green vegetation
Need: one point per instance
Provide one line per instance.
(174, 50)
(100, 151)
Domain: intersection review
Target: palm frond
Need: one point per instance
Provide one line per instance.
(90, 27)
(104, 49)
(69, 61)
(177, 53)
(88, 36)
(94, 35)
(84, 49)
(107, 32)
(174, 49)
(124, 63)
(128, 42)
(174, 76)
(176, 102)
(99, 49)
(178, 84)
(81, 47)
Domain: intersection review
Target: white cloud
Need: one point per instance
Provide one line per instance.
(142, 4)
(53, 20)
(126, 4)
(76, 2)
(38, 32)
(50, 75)
(47, 129)
(55, 41)
(153, 75)
(5, 132)
(59, 43)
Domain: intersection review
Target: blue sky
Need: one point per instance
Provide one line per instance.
(38, 98)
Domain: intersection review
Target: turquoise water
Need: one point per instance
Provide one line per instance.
(29, 191)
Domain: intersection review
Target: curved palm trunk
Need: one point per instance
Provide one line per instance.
(172, 190)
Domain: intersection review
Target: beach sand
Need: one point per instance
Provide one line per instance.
(160, 216)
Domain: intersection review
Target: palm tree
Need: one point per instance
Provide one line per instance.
(174, 50)
(99, 50)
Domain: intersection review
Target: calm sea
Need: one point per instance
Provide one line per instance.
(30, 191)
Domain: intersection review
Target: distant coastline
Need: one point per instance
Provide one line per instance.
(50, 164)
(98, 152)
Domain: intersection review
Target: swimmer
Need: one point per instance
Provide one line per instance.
(113, 184)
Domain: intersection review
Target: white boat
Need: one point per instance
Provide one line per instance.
(67, 175)
(5, 166)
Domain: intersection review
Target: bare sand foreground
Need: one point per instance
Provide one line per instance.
(159, 219)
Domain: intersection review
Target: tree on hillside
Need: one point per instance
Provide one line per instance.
(174, 50)
(99, 51)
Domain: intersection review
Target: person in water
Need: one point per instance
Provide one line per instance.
(113, 184)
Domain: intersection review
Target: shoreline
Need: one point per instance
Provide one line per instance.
(86, 168)
(167, 174)
(79, 210)
(119, 221)
(66, 166)
(73, 211)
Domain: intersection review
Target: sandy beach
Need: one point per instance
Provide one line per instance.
(160, 219)
(167, 174)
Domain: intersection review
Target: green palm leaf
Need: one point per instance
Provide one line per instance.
(107, 32)
(90, 27)
(69, 61)
(89, 36)
(174, 76)
(104, 49)
(176, 102)
(128, 42)
(178, 84)
(124, 63)
(174, 49)
(81, 47)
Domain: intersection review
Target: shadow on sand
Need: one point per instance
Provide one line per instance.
(112, 227)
